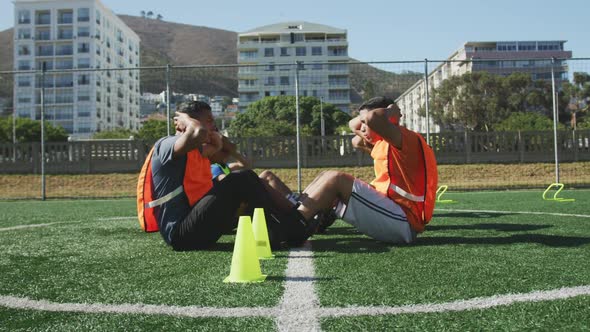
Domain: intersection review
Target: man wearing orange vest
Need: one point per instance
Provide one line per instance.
(191, 213)
(399, 202)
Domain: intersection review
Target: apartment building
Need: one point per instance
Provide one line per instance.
(68, 37)
(269, 55)
(498, 57)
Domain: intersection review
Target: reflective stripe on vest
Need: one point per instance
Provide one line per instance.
(165, 198)
(406, 194)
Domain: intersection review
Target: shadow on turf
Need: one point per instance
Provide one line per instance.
(547, 240)
(497, 227)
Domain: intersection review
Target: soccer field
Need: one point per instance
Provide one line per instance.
(488, 261)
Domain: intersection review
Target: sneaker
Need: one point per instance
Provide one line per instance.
(325, 220)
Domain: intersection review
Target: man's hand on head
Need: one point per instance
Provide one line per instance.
(212, 144)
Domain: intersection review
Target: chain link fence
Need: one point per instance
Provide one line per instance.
(462, 107)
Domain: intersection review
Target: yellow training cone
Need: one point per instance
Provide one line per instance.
(261, 235)
(245, 266)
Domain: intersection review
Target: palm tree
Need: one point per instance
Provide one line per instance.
(150, 14)
(143, 13)
(159, 17)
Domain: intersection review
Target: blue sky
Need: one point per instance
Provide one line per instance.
(380, 30)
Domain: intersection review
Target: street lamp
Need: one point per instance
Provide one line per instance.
(322, 126)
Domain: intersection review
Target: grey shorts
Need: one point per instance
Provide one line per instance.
(375, 215)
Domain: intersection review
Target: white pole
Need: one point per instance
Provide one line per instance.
(555, 119)
(168, 99)
(13, 134)
(297, 125)
(43, 132)
(426, 87)
(322, 125)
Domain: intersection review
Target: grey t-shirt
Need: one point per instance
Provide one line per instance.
(167, 175)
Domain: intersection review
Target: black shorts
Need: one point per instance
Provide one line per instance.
(216, 212)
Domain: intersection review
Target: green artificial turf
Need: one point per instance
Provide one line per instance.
(29, 320)
(560, 315)
(461, 254)
(95, 252)
(114, 261)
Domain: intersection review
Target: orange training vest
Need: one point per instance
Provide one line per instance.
(196, 183)
(408, 176)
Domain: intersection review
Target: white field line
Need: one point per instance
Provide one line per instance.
(12, 228)
(5, 229)
(462, 305)
(518, 212)
(142, 309)
(196, 311)
(299, 306)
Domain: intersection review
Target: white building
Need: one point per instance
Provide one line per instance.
(497, 57)
(268, 57)
(69, 36)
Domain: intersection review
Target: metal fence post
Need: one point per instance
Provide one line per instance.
(555, 119)
(467, 147)
(426, 87)
(43, 130)
(297, 125)
(575, 145)
(520, 146)
(168, 99)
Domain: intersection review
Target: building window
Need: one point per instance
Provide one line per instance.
(316, 66)
(43, 34)
(300, 51)
(97, 17)
(83, 63)
(24, 81)
(24, 50)
(64, 81)
(48, 65)
(24, 65)
(337, 51)
(83, 79)
(45, 50)
(270, 67)
(285, 51)
(64, 49)
(42, 17)
(316, 50)
(245, 55)
(338, 94)
(83, 15)
(269, 52)
(284, 80)
(65, 33)
(24, 17)
(64, 64)
(65, 17)
(338, 66)
(83, 47)
(270, 81)
(24, 33)
(83, 31)
(300, 66)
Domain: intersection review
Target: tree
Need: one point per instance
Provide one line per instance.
(276, 116)
(480, 100)
(149, 14)
(577, 95)
(28, 130)
(159, 17)
(152, 130)
(526, 121)
(142, 13)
